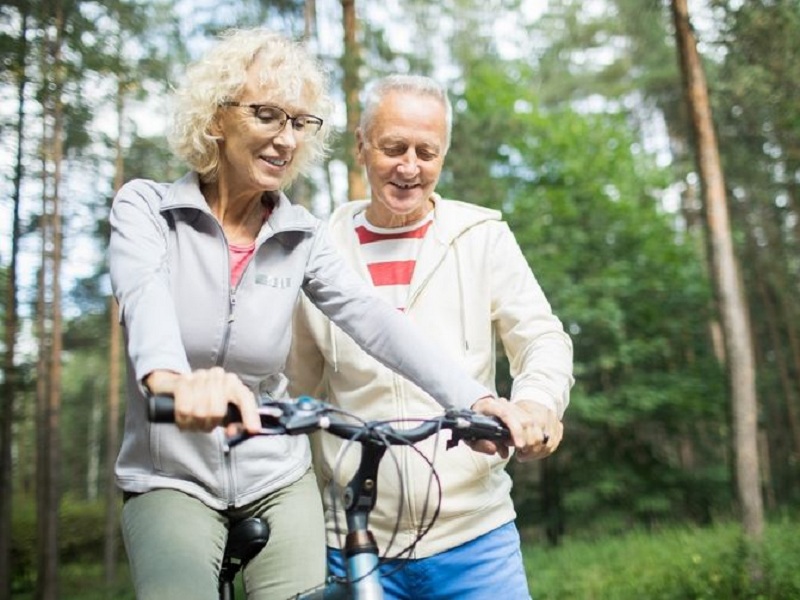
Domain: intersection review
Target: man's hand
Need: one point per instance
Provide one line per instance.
(535, 430)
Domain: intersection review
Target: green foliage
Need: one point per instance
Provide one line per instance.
(151, 158)
(758, 119)
(668, 564)
(672, 564)
(81, 530)
(554, 139)
(584, 203)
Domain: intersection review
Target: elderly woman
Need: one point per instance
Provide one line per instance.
(207, 271)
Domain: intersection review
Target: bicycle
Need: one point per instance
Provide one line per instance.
(306, 415)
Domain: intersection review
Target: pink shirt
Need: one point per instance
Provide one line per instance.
(240, 256)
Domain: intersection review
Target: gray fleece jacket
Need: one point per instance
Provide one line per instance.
(170, 274)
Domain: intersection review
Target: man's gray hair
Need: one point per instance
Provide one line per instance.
(410, 84)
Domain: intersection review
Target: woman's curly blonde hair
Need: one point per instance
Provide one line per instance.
(289, 70)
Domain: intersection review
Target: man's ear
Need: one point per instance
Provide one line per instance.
(360, 146)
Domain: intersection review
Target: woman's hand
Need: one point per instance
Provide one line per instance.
(202, 398)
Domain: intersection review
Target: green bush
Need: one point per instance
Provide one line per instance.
(670, 564)
(81, 537)
(676, 564)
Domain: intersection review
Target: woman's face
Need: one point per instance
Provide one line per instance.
(258, 144)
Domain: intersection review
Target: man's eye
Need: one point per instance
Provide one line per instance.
(427, 155)
(393, 150)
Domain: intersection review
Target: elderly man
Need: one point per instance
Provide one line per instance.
(456, 270)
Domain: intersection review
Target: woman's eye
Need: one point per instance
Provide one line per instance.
(268, 115)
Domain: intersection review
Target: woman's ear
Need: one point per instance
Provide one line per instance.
(215, 128)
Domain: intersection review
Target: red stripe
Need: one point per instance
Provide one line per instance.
(365, 236)
(397, 272)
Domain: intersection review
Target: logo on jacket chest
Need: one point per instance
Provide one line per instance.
(273, 281)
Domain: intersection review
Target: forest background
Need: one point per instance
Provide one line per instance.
(668, 248)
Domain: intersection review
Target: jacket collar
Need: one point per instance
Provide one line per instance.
(451, 217)
(451, 220)
(285, 216)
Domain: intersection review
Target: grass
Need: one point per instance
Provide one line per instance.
(674, 564)
(671, 564)
(85, 582)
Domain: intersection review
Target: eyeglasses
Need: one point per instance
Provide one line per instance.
(274, 119)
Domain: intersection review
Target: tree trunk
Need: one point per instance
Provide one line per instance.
(309, 19)
(10, 375)
(49, 444)
(788, 310)
(732, 304)
(42, 489)
(774, 321)
(356, 186)
(114, 375)
(112, 445)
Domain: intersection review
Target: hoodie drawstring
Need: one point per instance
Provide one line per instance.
(463, 311)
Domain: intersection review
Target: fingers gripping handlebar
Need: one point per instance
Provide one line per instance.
(306, 415)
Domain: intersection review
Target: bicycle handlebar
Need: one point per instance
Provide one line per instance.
(306, 415)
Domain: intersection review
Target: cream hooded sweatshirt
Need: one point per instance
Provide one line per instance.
(471, 287)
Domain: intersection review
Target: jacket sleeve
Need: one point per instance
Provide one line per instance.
(382, 331)
(305, 364)
(140, 280)
(538, 349)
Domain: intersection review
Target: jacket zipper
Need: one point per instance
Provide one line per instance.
(227, 460)
(226, 337)
(226, 453)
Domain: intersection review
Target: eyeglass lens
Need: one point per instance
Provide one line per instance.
(275, 118)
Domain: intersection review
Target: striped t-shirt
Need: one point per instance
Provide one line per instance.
(391, 255)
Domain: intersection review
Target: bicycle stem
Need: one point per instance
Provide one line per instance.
(361, 492)
(359, 497)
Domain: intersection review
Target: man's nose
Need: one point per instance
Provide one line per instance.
(409, 163)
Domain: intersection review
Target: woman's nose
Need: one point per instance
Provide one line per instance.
(287, 136)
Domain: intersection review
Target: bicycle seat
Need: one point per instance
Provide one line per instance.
(245, 539)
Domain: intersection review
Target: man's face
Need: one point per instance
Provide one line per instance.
(403, 153)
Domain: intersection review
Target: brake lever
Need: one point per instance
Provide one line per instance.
(470, 426)
(242, 436)
(305, 415)
(284, 418)
(272, 423)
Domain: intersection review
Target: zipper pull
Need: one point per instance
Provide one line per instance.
(232, 306)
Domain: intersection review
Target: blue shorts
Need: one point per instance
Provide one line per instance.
(488, 567)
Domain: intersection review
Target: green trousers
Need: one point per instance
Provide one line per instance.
(175, 544)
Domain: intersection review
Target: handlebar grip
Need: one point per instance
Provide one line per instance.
(490, 427)
(161, 409)
(477, 426)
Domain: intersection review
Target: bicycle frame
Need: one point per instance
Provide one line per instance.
(361, 552)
